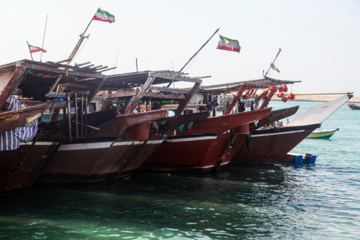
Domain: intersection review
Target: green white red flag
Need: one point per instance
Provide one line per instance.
(35, 49)
(274, 68)
(228, 44)
(103, 16)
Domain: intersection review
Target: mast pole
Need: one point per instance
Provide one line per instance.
(272, 62)
(42, 46)
(199, 50)
(82, 36)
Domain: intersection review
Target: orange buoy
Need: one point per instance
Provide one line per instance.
(280, 94)
(272, 88)
(291, 96)
(284, 99)
(283, 88)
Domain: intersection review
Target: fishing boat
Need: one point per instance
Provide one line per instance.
(118, 147)
(270, 145)
(354, 106)
(199, 146)
(22, 158)
(322, 134)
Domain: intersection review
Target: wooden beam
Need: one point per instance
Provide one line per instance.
(130, 106)
(12, 81)
(57, 70)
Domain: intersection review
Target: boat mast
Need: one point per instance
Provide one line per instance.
(272, 62)
(199, 50)
(82, 36)
(42, 46)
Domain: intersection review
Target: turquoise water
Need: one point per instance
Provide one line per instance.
(320, 201)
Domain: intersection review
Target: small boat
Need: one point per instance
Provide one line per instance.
(322, 134)
(297, 158)
(354, 106)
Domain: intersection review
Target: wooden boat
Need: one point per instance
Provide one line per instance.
(200, 147)
(120, 146)
(322, 134)
(61, 145)
(205, 145)
(268, 146)
(354, 106)
(298, 158)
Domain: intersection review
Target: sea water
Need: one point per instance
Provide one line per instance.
(320, 201)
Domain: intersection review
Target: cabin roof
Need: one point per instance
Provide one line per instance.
(234, 86)
(87, 74)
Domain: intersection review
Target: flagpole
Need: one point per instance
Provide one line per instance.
(82, 36)
(272, 62)
(117, 55)
(199, 49)
(29, 50)
(42, 47)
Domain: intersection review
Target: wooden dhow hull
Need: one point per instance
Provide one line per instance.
(118, 149)
(21, 167)
(268, 146)
(99, 159)
(200, 149)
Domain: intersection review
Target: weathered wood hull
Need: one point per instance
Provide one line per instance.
(21, 167)
(99, 159)
(13, 119)
(199, 151)
(220, 124)
(268, 146)
(113, 152)
(195, 153)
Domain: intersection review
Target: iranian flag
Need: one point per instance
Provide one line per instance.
(35, 49)
(228, 44)
(103, 16)
(274, 68)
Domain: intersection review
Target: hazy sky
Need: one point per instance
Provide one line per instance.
(320, 39)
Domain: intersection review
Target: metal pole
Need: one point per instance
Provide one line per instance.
(42, 46)
(199, 49)
(82, 35)
(273, 62)
(117, 55)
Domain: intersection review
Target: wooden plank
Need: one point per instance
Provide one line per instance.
(129, 108)
(76, 116)
(13, 80)
(69, 116)
(57, 70)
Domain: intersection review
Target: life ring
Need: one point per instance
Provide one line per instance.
(264, 94)
(249, 93)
